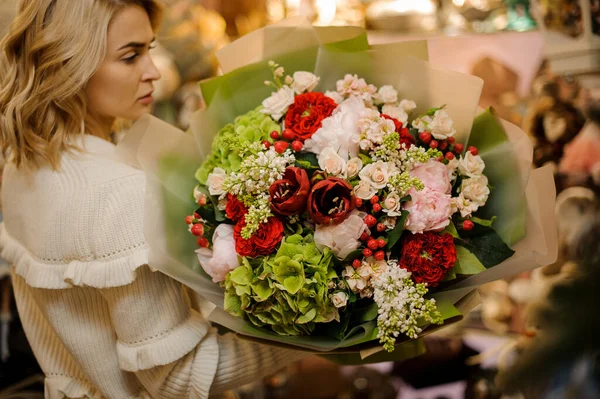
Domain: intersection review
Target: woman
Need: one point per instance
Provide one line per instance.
(100, 322)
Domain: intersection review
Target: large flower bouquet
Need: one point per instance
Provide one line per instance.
(340, 196)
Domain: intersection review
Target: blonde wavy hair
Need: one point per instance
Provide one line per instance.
(51, 51)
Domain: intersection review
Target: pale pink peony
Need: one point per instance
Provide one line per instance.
(434, 176)
(429, 210)
(223, 258)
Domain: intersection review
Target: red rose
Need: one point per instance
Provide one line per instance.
(330, 200)
(262, 242)
(405, 137)
(288, 195)
(307, 112)
(428, 256)
(235, 209)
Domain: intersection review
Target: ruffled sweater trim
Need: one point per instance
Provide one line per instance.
(98, 273)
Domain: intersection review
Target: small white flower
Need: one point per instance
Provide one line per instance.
(331, 162)
(353, 166)
(364, 190)
(277, 104)
(476, 189)
(396, 113)
(335, 96)
(288, 80)
(352, 85)
(279, 72)
(407, 105)
(471, 165)
(452, 166)
(389, 223)
(304, 81)
(215, 181)
(465, 206)
(339, 299)
(392, 205)
(376, 174)
(222, 204)
(365, 144)
(386, 95)
(355, 281)
(440, 126)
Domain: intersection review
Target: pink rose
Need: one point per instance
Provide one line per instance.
(434, 176)
(223, 258)
(429, 210)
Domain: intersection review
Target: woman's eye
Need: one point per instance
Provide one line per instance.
(131, 59)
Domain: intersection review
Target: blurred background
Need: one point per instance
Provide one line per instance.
(534, 335)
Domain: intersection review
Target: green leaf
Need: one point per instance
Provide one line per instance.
(357, 253)
(486, 245)
(466, 262)
(305, 318)
(451, 229)
(364, 313)
(484, 222)
(406, 198)
(432, 111)
(211, 212)
(365, 159)
(395, 234)
(307, 160)
(451, 273)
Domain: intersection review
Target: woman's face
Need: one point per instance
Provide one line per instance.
(123, 85)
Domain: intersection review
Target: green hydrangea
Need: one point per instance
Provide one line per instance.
(236, 139)
(286, 292)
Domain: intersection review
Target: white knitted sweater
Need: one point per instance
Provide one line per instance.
(100, 322)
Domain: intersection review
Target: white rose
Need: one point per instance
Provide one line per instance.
(223, 258)
(331, 162)
(376, 174)
(392, 205)
(476, 189)
(386, 95)
(304, 81)
(339, 299)
(215, 181)
(277, 104)
(364, 190)
(441, 126)
(471, 165)
(339, 131)
(353, 167)
(335, 96)
(341, 238)
(396, 113)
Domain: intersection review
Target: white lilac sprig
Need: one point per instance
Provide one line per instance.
(401, 305)
(251, 185)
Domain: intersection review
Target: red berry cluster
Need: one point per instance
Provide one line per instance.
(374, 245)
(197, 229)
(280, 145)
(449, 147)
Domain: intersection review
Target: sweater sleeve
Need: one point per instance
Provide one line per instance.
(173, 350)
